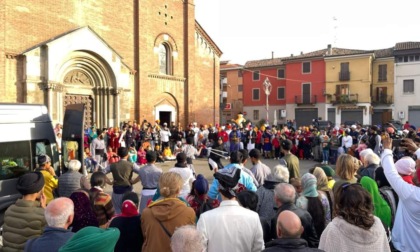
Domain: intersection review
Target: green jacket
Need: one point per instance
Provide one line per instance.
(23, 220)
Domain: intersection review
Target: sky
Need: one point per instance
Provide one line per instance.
(252, 29)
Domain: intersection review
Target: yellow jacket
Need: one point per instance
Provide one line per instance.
(51, 183)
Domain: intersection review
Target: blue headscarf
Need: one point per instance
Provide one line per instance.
(309, 185)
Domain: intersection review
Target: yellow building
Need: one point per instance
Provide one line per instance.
(348, 85)
(382, 86)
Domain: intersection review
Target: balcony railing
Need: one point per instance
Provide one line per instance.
(344, 75)
(345, 99)
(382, 99)
(305, 99)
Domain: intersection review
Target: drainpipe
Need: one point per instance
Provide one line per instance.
(136, 41)
(214, 88)
(186, 65)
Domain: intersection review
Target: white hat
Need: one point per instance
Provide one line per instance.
(406, 166)
(353, 126)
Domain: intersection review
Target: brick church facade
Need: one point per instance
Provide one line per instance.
(134, 59)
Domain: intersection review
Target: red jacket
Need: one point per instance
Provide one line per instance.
(223, 135)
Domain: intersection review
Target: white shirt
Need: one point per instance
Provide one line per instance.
(187, 177)
(165, 134)
(347, 141)
(261, 172)
(231, 227)
(406, 231)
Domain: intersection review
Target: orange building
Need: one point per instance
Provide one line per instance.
(232, 91)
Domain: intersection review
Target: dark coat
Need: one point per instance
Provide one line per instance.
(309, 233)
(288, 245)
(51, 240)
(131, 238)
(368, 171)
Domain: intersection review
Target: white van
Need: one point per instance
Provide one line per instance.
(26, 131)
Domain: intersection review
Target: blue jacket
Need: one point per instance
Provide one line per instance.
(51, 240)
(245, 180)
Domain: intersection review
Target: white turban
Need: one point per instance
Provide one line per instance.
(406, 166)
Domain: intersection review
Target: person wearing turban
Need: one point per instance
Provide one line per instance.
(25, 219)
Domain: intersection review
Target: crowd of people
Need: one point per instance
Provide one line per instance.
(370, 201)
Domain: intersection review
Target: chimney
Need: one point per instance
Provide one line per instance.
(272, 54)
(301, 53)
(329, 49)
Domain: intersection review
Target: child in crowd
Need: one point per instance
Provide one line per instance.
(159, 154)
(276, 145)
(112, 156)
(90, 163)
(141, 156)
(167, 154)
(132, 155)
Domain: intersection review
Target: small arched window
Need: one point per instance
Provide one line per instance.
(165, 59)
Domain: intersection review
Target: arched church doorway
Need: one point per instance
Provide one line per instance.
(88, 79)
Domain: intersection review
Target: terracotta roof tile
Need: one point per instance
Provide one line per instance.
(384, 53)
(324, 53)
(407, 45)
(230, 66)
(264, 63)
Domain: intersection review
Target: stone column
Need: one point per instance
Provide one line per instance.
(116, 93)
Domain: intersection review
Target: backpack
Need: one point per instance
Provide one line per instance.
(389, 195)
(203, 206)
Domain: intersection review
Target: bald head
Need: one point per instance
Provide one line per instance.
(289, 225)
(60, 212)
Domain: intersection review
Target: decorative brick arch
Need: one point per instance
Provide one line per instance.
(87, 78)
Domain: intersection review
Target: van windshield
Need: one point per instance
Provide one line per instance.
(17, 158)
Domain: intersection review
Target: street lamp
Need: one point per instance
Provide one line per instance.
(267, 90)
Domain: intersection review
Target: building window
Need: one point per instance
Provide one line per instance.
(280, 93)
(256, 75)
(256, 94)
(240, 87)
(306, 67)
(408, 87)
(256, 115)
(165, 59)
(240, 73)
(382, 72)
(342, 89)
(344, 71)
(280, 73)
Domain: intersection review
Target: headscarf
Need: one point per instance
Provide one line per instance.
(381, 207)
(321, 179)
(92, 239)
(129, 209)
(83, 212)
(309, 185)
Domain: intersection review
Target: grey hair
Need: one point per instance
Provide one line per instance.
(74, 165)
(58, 212)
(285, 193)
(187, 239)
(372, 158)
(280, 173)
(364, 152)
